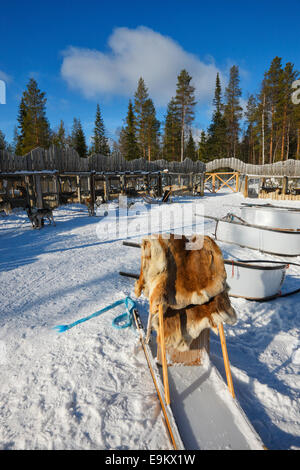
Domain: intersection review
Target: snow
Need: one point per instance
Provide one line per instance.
(89, 388)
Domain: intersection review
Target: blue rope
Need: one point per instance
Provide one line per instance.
(117, 322)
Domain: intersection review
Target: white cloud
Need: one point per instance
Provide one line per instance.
(5, 77)
(134, 53)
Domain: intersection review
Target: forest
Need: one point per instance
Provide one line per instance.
(267, 130)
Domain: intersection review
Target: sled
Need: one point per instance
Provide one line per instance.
(272, 217)
(271, 206)
(254, 280)
(165, 198)
(199, 409)
(258, 280)
(232, 229)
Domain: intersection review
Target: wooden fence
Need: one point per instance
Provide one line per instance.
(286, 168)
(68, 160)
(56, 159)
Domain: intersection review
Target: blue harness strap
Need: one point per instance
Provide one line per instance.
(117, 322)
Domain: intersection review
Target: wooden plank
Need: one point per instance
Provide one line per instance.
(163, 353)
(226, 359)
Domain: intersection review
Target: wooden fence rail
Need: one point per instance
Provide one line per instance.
(68, 160)
(285, 168)
(56, 159)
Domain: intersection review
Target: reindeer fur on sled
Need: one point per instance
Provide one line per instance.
(176, 278)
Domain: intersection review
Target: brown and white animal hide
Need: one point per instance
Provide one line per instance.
(175, 277)
(181, 327)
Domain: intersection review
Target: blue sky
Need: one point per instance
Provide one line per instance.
(84, 53)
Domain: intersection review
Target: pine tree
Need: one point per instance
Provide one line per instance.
(270, 102)
(128, 141)
(233, 112)
(250, 141)
(296, 130)
(100, 142)
(216, 140)
(185, 102)
(33, 124)
(78, 141)
(172, 133)
(276, 117)
(289, 75)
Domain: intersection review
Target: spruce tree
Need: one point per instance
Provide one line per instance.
(152, 126)
(216, 140)
(3, 143)
(33, 124)
(147, 126)
(78, 141)
(190, 149)
(100, 142)
(140, 99)
(128, 141)
(202, 149)
(15, 141)
(59, 138)
(185, 103)
(233, 112)
(172, 133)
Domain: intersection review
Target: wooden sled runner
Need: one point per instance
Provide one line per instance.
(167, 412)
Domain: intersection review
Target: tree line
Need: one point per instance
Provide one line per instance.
(33, 129)
(267, 130)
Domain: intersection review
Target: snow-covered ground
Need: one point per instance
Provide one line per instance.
(89, 388)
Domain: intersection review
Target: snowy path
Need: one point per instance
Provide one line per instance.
(89, 388)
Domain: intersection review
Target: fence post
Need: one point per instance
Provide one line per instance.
(92, 189)
(285, 183)
(78, 189)
(159, 185)
(56, 188)
(106, 188)
(213, 182)
(246, 186)
(30, 193)
(38, 190)
(202, 178)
